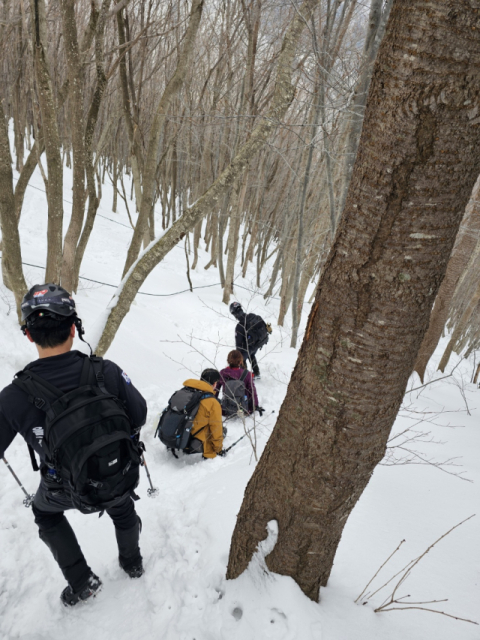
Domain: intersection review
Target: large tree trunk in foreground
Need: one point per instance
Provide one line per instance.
(418, 159)
(282, 98)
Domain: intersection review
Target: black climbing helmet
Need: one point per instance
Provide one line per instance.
(48, 297)
(236, 309)
(50, 300)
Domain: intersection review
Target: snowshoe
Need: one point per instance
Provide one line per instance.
(70, 598)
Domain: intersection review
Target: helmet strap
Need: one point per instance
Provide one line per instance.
(80, 330)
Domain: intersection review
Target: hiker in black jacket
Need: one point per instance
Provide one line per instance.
(50, 322)
(251, 334)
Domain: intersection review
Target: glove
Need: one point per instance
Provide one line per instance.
(260, 410)
(222, 453)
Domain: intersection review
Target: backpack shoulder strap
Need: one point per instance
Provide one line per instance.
(39, 392)
(29, 377)
(205, 395)
(86, 375)
(95, 363)
(196, 399)
(244, 375)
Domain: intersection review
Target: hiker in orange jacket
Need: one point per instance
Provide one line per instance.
(207, 430)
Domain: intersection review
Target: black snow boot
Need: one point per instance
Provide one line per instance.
(70, 598)
(129, 555)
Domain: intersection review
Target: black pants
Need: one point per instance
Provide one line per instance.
(54, 529)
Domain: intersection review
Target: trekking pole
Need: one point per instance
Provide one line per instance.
(152, 492)
(30, 496)
(237, 441)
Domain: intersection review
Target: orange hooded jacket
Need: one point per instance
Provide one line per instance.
(207, 425)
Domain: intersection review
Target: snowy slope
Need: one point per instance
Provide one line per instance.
(187, 528)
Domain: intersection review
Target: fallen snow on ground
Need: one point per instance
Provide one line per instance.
(187, 528)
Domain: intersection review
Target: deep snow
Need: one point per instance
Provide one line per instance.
(187, 528)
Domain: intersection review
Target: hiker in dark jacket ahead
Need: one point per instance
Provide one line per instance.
(234, 371)
(50, 321)
(251, 334)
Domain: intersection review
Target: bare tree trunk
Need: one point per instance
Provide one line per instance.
(76, 77)
(54, 187)
(11, 251)
(379, 12)
(233, 235)
(196, 241)
(288, 281)
(19, 106)
(374, 298)
(150, 165)
(94, 197)
(128, 110)
(221, 231)
(460, 326)
(214, 242)
(281, 100)
(464, 247)
(320, 98)
(26, 174)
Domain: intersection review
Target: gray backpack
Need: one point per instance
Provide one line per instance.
(176, 422)
(235, 395)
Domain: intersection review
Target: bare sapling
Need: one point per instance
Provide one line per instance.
(393, 602)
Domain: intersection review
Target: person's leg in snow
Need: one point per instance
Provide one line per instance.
(56, 532)
(255, 368)
(127, 531)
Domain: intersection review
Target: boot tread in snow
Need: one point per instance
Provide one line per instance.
(93, 586)
(134, 572)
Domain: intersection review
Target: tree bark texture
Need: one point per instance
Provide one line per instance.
(281, 100)
(418, 160)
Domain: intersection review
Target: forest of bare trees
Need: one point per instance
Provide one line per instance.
(235, 126)
(170, 94)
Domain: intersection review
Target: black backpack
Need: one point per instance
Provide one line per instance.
(175, 425)
(257, 332)
(88, 437)
(234, 397)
